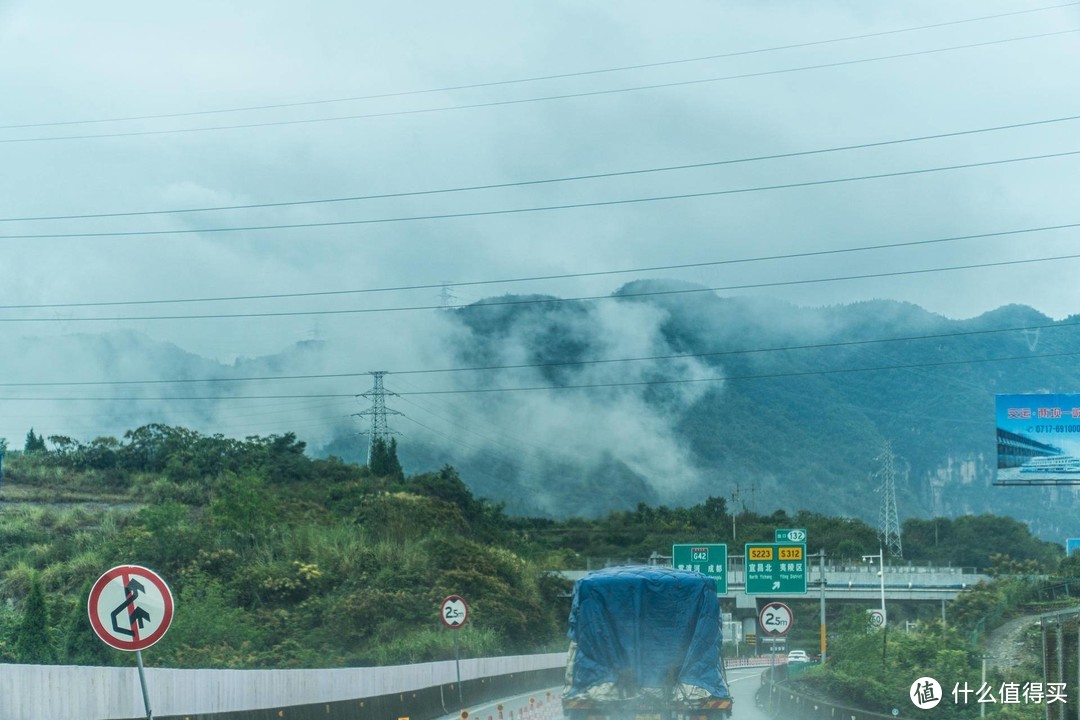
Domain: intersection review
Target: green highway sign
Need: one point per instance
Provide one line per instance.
(709, 559)
(790, 535)
(775, 568)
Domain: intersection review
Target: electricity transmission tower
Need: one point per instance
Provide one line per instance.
(888, 518)
(447, 297)
(380, 429)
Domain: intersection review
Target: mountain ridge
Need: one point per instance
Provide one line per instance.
(660, 398)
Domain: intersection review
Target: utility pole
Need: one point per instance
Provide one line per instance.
(734, 500)
(380, 429)
(820, 555)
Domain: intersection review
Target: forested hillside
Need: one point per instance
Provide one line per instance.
(775, 404)
(662, 394)
(277, 559)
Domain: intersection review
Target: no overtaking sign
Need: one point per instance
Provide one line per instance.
(130, 607)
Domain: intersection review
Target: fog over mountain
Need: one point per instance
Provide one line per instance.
(661, 393)
(225, 217)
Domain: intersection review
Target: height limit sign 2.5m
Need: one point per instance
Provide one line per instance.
(454, 612)
(775, 619)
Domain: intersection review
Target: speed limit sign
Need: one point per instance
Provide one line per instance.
(775, 619)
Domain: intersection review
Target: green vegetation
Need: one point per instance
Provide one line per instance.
(32, 642)
(870, 671)
(280, 560)
(874, 670)
(969, 541)
(275, 559)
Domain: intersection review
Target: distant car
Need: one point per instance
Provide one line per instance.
(798, 656)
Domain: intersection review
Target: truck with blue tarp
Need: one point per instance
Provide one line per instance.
(645, 645)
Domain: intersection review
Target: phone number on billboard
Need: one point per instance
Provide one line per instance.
(1057, 428)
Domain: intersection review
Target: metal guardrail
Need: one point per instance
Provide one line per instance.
(783, 703)
(71, 692)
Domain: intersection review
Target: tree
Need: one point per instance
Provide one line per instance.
(64, 446)
(32, 639)
(1070, 566)
(384, 459)
(34, 443)
(446, 485)
(78, 643)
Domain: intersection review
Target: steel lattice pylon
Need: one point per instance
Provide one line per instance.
(380, 429)
(888, 518)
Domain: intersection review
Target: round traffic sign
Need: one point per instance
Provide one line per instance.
(130, 607)
(876, 618)
(454, 612)
(775, 619)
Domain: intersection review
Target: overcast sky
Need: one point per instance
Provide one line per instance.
(62, 63)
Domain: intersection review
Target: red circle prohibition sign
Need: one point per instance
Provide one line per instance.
(775, 619)
(454, 611)
(130, 607)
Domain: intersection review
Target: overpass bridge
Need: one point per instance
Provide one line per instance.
(853, 582)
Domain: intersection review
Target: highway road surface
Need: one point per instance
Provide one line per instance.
(544, 704)
(744, 682)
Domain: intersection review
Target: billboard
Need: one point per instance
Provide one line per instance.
(1038, 439)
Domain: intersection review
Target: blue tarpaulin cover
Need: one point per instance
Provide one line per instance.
(646, 627)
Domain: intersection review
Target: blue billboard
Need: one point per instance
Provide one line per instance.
(1071, 546)
(1038, 439)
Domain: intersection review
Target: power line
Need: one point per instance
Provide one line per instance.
(481, 451)
(537, 78)
(542, 301)
(519, 452)
(767, 376)
(545, 98)
(541, 208)
(747, 351)
(464, 428)
(545, 181)
(535, 278)
(564, 363)
(471, 419)
(586, 386)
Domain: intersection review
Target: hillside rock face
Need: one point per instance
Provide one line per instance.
(789, 407)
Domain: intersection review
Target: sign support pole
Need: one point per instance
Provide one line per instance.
(821, 566)
(142, 682)
(457, 667)
(454, 611)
